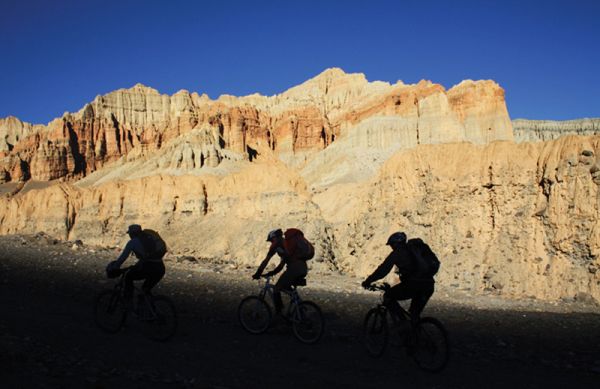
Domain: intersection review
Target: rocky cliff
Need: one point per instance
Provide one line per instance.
(520, 220)
(347, 160)
(306, 118)
(543, 130)
(515, 219)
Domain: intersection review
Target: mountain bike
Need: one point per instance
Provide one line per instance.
(305, 317)
(426, 339)
(156, 314)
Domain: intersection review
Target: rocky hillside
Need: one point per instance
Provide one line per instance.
(304, 119)
(544, 130)
(347, 160)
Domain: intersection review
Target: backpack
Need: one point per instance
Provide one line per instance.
(426, 262)
(297, 246)
(155, 246)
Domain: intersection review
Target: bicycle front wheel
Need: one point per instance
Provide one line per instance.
(254, 315)
(375, 331)
(159, 318)
(109, 311)
(431, 350)
(307, 322)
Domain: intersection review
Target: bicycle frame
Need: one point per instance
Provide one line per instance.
(149, 309)
(268, 289)
(400, 315)
(425, 339)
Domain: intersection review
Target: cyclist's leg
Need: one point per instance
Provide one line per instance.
(154, 272)
(294, 270)
(423, 290)
(283, 283)
(402, 291)
(135, 273)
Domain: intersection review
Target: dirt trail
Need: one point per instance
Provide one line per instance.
(48, 339)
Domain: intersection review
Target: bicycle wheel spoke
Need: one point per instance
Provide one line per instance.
(375, 332)
(254, 315)
(307, 322)
(430, 345)
(158, 318)
(109, 311)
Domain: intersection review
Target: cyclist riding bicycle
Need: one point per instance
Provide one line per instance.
(296, 267)
(149, 267)
(414, 285)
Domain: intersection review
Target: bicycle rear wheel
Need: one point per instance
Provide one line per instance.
(109, 311)
(159, 318)
(254, 314)
(307, 322)
(375, 331)
(431, 350)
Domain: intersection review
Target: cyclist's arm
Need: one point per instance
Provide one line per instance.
(125, 254)
(265, 261)
(382, 270)
(279, 267)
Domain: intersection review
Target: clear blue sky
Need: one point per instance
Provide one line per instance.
(55, 56)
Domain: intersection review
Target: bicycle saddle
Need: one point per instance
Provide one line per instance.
(301, 281)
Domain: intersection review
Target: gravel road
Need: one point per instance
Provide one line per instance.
(48, 338)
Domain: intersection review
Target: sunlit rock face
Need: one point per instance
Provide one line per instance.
(346, 160)
(544, 130)
(306, 118)
(516, 219)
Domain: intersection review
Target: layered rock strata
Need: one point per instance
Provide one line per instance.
(346, 160)
(306, 118)
(544, 130)
(514, 219)
(519, 220)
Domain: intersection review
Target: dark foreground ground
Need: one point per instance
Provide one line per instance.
(48, 338)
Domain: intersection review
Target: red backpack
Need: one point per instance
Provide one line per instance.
(297, 246)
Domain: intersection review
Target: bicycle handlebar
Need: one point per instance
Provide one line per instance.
(375, 287)
(124, 270)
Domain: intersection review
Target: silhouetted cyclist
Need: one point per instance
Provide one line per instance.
(414, 284)
(296, 267)
(149, 267)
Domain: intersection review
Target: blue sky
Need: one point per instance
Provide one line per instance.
(55, 56)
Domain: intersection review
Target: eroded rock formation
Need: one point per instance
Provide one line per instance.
(517, 219)
(346, 160)
(306, 118)
(544, 130)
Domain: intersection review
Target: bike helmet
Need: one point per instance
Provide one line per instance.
(274, 234)
(134, 229)
(396, 238)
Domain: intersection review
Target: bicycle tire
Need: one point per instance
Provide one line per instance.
(161, 324)
(254, 314)
(109, 311)
(431, 349)
(308, 324)
(375, 332)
